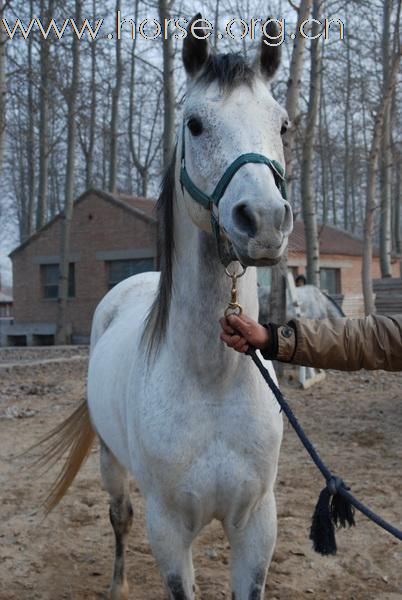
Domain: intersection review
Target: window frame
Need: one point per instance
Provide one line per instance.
(110, 264)
(337, 272)
(44, 269)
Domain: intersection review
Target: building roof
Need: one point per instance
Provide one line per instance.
(145, 205)
(142, 208)
(332, 241)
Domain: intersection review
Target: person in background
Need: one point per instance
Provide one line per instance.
(300, 281)
(373, 342)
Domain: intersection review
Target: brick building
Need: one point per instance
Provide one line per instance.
(341, 255)
(112, 237)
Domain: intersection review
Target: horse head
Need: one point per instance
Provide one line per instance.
(231, 152)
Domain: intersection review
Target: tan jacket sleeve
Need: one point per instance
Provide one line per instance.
(374, 342)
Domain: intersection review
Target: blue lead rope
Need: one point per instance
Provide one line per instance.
(334, 506)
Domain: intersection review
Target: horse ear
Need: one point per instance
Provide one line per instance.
(270, 57)
(195, 51)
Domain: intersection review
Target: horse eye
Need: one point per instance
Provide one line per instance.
(284, 127)
(195, 126)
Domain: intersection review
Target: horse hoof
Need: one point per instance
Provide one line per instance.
(119, 591)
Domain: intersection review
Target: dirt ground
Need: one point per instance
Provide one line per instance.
(355, 420)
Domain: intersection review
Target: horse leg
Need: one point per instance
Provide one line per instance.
(252, 545)
(171, 541)
(115, 481)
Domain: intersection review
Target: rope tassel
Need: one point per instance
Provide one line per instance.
(332, 509)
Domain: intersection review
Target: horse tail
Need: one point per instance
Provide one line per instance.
(74, 435)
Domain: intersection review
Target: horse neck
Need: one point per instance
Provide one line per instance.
(201, 291)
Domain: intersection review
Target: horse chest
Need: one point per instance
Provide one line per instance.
(210, 446)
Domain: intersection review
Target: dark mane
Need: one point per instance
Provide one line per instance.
(228, 70)
(157, 319)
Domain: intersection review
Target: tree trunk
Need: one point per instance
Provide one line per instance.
(386, 154)
(63, 335)
(278, 286)
(168, 88)
(371, 203)
(31, 136)
(322, 135)
(294, 88)
(346, 167)
(308, 203)
(42, 206)
(114, 133)
(353, 173)
(92, 119)
(3, 89)
(397, 204)
(141, 169)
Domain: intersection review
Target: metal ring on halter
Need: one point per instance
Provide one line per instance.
(237, 275)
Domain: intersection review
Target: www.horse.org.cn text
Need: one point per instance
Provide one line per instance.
(150, 29)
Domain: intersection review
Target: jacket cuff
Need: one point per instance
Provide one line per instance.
(271, 350)
(282, 342)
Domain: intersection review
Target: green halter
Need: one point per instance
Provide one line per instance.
(209, 201)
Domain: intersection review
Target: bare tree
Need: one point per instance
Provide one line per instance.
(46, 9)
(308, 200)
(63, 334)
(278, 287)
(114, 132)
(371, 203)
(397, 202)
(144, 152)
(386, 153)
(3, 89)
(87, 137)
(31, 151)
(169, 102)
(294, 89)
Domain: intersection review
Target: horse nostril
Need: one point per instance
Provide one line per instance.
(287, 221)
(245, 219)
(283, 218)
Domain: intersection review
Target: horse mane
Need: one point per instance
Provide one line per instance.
(229, 71)
(158, 316)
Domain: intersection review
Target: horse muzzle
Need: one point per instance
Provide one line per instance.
(259, 231)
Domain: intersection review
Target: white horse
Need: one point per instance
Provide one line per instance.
(313, 304)
(190, 419)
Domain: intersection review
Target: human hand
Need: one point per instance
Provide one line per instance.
(240, 332)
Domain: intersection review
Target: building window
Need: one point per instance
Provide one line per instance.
(121, 269)
(50, 281)
(330, 281)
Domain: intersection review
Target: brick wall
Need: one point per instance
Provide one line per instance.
(98, 226)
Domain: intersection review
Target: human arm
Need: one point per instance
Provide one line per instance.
(374, 342)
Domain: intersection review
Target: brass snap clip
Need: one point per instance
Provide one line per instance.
(233, 307)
